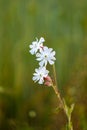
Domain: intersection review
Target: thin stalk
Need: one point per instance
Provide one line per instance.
(55, 76)
(62, 103)
(55, 87)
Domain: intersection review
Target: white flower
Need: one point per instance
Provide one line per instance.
(40, 74)
(36, 45)
(46, 55)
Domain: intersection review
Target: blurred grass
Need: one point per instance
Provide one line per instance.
(63, 24)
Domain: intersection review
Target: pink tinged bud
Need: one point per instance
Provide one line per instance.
(48, 78)
(48, 81)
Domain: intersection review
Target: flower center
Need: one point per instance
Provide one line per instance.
(45, 56)
(40, 75)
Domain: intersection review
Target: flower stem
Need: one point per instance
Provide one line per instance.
(62, 103)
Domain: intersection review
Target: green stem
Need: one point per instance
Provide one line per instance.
(70, 127)
(61, 101)
(55, 76)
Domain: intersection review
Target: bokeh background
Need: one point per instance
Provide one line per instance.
(63, 23)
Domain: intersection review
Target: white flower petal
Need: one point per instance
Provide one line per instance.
(41, 81)
(32, 52)
(46, 56)
(51, 62)
(42, 63)
(53, 53)
(39, 75)
(38, 59)
(38, 55)
(41, 40)
(50, 49)
(36, 45)
(34, 78)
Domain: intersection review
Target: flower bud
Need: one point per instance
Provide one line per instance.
(48, 81)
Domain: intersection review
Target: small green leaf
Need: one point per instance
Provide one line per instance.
(72, 107)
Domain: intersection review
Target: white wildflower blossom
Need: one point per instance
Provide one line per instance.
(36, 45)
(46, 55)
(40, 74)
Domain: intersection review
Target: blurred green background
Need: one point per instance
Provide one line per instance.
(63, 23)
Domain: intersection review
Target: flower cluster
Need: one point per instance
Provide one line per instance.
(44, 55)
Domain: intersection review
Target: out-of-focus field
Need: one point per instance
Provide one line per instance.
(63, 23)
